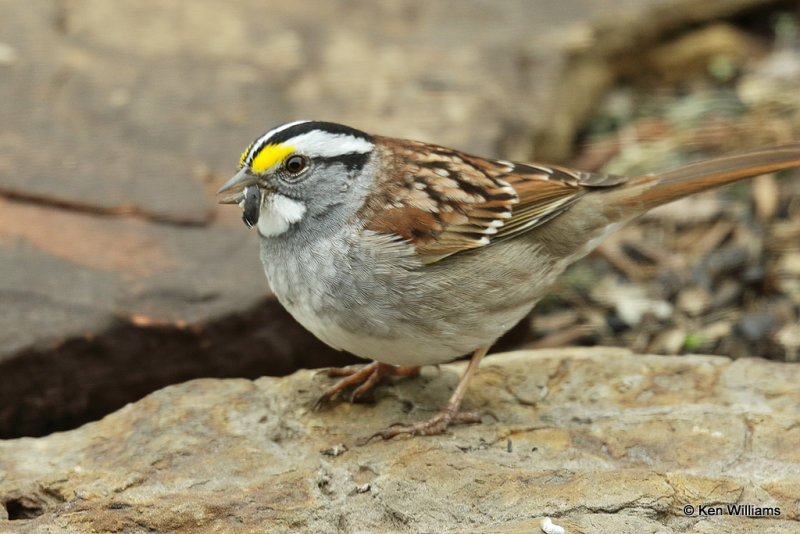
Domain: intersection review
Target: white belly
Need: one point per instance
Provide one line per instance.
(399, 350)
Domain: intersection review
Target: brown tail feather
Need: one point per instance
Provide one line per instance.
(657, 189)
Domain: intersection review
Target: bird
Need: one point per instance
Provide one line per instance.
(409, 253)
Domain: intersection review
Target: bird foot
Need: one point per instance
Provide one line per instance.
(432, 427)
(362, 378)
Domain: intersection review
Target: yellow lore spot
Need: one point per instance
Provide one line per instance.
(268, 156)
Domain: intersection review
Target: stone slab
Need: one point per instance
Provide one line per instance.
(600, 440)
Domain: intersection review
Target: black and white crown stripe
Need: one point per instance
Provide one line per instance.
(315, 139)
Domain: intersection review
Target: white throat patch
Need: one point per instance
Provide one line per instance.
(278, 213)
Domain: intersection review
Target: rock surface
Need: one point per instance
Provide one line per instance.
(600, 440)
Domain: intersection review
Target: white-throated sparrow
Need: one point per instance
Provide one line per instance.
(409, 253)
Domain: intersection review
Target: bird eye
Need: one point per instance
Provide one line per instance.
(296, 164)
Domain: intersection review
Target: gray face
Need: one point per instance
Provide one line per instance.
(301, 177)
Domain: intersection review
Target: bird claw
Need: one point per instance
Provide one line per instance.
(434, 426)
(363, 379)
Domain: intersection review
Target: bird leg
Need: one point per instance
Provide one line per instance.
(438, 423)
(363, 378)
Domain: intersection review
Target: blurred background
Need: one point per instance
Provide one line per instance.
(119, 273)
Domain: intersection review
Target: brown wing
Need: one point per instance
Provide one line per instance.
(447, 201)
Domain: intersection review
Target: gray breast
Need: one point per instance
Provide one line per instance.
(353, 293)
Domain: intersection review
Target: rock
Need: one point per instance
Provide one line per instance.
(600, 440)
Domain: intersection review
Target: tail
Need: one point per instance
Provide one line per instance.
(651, 190)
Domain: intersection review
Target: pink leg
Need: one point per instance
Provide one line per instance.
(363, 379)
(438, 423)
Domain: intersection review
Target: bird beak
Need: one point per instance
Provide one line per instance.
(237, 184)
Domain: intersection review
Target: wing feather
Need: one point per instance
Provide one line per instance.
(447, 202)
